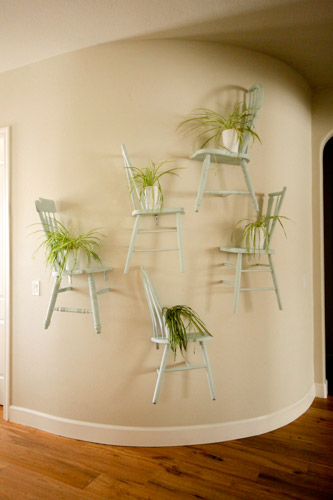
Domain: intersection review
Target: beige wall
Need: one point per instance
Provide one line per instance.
(69, 116)
(322, 130)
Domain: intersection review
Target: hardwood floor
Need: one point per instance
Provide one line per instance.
(293, 462)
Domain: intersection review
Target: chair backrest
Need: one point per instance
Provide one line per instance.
(254, 100)
(275, 201)
(46, 210)
(132, 185)
(155, 306)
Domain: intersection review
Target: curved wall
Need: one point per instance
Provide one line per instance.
(69, 116)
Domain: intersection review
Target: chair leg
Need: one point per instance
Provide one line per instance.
(161, 373)
(132, 244)
(237, 281)
(94, 303)
(276, 286)
(202, 184)
(180, 242)
(52, 303)
(208, 370)
(250, 185)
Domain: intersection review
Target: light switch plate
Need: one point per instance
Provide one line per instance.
(35, 287)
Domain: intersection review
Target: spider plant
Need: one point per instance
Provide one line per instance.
(208, 122)
(256, 233)
(150, 177)
(62, 246)
(181, 320)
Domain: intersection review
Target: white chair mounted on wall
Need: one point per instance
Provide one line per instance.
(255, 97)
(139, 212)
(275, 201)
(46, 210)
(160, 337)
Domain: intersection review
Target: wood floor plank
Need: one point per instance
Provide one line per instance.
(53, 468)
(97, 458)
(300, 486)
(77, 453)
(322, 474)
(308, 434)
(107, 487)
(250, 490)
(323, 403)
(177, 485)
(17, 483)
(264, 458)
(294, 462)
(207, 459)
(181, 476)
(321, 419)
(298, 449)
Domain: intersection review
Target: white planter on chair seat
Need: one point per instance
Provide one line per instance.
(260, 242)
(152, 198)
(230, 140)
(71, 265)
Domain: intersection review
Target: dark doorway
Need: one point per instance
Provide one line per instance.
(328, 258)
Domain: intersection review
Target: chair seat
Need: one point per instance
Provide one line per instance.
(92, 270)
(191, 337)
(162, 211)
(220, 156)
(251, 251)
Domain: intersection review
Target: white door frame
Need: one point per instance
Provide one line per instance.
(327, 138)
(321, 388)
(6, 231)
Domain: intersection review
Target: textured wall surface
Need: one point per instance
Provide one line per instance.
(69, 116)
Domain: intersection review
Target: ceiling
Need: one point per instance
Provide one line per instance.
(299, 32)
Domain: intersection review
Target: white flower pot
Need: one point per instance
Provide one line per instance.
(152, 198)
(71, 265)
(260, 243)
(230, 140)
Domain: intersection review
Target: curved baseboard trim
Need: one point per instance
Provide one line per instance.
(160, 436)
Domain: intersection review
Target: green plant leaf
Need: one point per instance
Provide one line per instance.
(149, 177)
(251, 231)
(181, 320)
(59, 242)
(207, 120)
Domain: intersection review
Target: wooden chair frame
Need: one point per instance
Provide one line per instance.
(160, 337)
(255, 97)
(139, 212)
(46, 210)
(275, 201)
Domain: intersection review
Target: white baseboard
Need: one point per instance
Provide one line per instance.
(2, 389)
(160, 436)
(321, 390)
